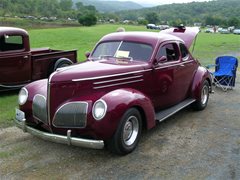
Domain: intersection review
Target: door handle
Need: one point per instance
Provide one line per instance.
(25, 57)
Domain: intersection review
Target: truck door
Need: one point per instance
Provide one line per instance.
(15, 61)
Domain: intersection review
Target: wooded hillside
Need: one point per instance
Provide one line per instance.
(216, 12)
(110, 6)
(213, 12)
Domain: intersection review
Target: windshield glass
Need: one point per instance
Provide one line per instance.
(122, 49)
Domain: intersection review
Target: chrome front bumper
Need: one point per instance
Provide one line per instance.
(86, 143)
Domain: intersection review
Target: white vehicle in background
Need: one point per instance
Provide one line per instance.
(209, 30)
(224, 31)
(163, 27)
(236, 31)
(151, 26)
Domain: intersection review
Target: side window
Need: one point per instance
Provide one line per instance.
(11, 42)
(170, 51)
(184, 52)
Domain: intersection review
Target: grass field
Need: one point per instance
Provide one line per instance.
(208, 47)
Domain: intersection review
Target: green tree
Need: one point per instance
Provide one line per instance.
(152, 17)
(91, 8)
(210, 20)
(142, 21)
(79, 5)
(88, 19)
(234, 22)
(66, 5)
(177, 22)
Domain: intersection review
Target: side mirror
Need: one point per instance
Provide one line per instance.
(162, 59)
(87, 54)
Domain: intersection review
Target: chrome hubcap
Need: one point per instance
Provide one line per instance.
(130, 130)
(204, 95)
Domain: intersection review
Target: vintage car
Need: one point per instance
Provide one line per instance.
(130, 81)
(20, 65)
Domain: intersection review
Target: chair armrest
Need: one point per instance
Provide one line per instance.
(210, 65)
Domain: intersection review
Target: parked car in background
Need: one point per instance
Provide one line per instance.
(163, 27)
(20, 65)
(231, 28)
(151, 26)
(158, 27)
(236, 31)
(209, 30)
(224, 31)
(131, 81)
(219, 29)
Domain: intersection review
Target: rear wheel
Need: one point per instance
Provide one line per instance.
(128, 133)
(201, 103)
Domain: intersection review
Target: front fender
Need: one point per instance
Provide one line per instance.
(201, 75)
(119, 101)
(36, 87)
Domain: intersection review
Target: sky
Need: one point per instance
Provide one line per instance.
(160, 2)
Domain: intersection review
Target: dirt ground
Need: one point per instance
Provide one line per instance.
(188, 145)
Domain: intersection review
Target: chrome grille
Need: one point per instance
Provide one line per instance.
(73, 115)
(39, 108)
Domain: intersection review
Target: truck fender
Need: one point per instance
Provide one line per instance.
(62, 62)
(119, 101)
(200, 76)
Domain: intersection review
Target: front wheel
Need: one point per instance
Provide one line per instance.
(128, 133)
(201, 103)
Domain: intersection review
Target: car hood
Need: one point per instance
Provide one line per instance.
(91, 70)
(187, 34)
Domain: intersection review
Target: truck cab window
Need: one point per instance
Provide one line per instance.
(170, 51)
(11, 42)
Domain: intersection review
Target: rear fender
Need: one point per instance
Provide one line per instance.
(201, 75)
(119, 101)
(61, 61)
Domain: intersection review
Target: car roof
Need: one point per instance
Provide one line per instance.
(13, 30)
(151, 38)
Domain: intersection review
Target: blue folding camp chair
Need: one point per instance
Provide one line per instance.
(225, 72)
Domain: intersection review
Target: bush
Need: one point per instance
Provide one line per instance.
(88, 19)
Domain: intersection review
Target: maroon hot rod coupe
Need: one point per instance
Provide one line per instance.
(20, 65)
(130, 81)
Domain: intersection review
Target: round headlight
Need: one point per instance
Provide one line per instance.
(99, 109)
(22, 97)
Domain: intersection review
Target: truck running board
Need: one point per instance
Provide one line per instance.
(164, 114)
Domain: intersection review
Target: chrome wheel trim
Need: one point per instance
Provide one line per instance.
(130, 130)
(204, 96)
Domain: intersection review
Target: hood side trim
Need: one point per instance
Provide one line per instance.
(109, 76)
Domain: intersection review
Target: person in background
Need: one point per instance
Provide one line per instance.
(121, 29)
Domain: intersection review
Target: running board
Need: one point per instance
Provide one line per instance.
(164, 114)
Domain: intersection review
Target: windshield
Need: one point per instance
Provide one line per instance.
(122, 49)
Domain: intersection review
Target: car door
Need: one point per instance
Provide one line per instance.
(168, 77)
(15, 61)
(188, 69)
